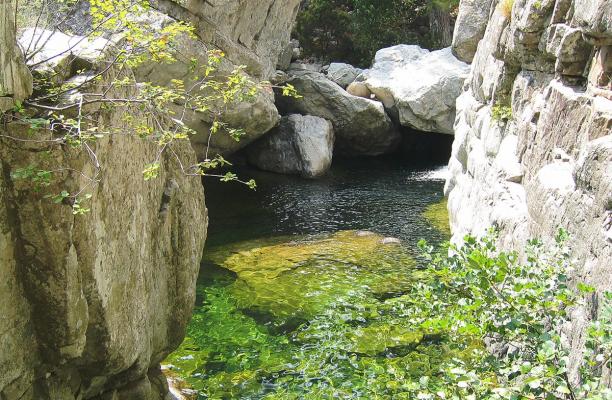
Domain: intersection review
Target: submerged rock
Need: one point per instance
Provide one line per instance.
(361, 125)
(301, 278)
(300, 145)
(418, 87)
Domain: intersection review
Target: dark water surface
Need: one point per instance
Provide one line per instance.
(385, 195)
(297, 301)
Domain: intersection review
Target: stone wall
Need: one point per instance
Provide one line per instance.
(533, 134)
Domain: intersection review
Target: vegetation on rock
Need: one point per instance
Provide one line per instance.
(437, 215)
(70, 112)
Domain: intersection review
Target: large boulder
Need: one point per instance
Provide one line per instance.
(91, 304)
(361, 125)
(470, 28)
(252, 33)
(255, 117)
(343, 74)
(300, 145)
(417, 86)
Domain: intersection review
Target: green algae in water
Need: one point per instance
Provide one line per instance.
(314, 318)
(437, 215)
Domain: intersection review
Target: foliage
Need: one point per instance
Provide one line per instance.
(154, 113)
(501, 112)
(475, 323)
(353, 30)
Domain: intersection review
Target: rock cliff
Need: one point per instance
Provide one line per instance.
(90, 304)
(533, 134)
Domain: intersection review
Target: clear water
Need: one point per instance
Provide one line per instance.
(384, 195)
(300, 296)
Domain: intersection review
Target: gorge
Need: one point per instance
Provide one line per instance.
(306, 286)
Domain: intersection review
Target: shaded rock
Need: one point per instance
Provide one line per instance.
(304, 66)
(300, 145)
(343, 74)
(94, 303)
(361, 126)
(15, 78)
(470, 28)
(417, 86)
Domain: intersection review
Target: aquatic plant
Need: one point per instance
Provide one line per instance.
(437, 215)
(330, 334)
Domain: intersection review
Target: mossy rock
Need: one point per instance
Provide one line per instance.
(300, 278)
(437, 215)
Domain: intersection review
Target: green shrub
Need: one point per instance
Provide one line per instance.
(501, 112)
(353, 30)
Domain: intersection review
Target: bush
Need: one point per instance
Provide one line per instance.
(353, 30)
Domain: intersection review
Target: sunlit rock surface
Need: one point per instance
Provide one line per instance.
(547, 163)
(418, 87)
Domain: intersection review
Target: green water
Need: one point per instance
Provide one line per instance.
(316, 313)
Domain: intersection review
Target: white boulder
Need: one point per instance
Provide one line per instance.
(417, 86)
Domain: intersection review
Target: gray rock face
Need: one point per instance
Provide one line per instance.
(256, 117)
(470, 28)
(361, 126)
(417, 86)
(550, 164)
(91, 304)
(15, 78)
(301, 145)
(252, 33)
(343, 74)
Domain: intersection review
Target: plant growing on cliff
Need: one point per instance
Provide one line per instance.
(520, 311)
(501, 112)
(66, 114)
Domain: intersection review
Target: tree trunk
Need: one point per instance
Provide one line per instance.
(15, 78)
(441, 26)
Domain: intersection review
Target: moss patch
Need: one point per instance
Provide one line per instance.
(437, 215)
(300, 278)
(313, 318)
